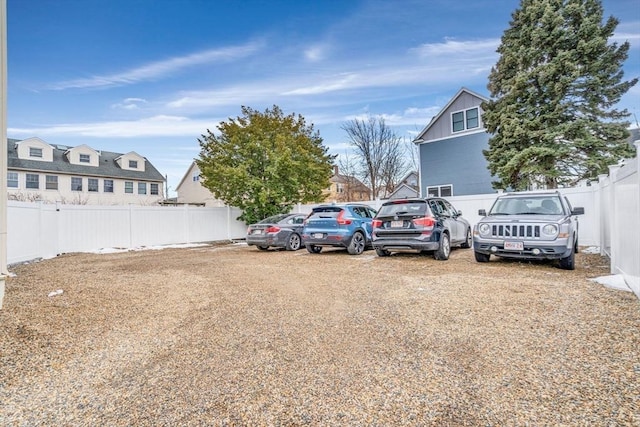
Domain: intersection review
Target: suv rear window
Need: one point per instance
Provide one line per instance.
(325, 212)
(408, 208)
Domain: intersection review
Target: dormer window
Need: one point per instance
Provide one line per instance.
(465, 120)
(35, 152)
(85, 158)
(133, 164)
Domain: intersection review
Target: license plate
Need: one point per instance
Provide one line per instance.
(257, 231)
(514, 246)
(397, 224)
(318, 235)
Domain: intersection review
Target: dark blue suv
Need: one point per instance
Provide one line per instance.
(347, 226)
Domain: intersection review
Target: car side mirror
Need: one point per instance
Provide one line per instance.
(482, 212)
(577, 211)
(459, 213)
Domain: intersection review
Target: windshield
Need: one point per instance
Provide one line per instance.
(533, 205)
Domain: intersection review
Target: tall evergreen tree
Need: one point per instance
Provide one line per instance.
(553, 93)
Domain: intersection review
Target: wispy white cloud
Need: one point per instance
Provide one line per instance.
(129, 104)
(455, 62)
(159, 69)
(457, 47)
(161, 125)
(315, 53)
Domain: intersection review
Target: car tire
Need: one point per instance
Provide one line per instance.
(357, 244)
(467, 242)
(444, 248)
(569, 262)
(382, 252)
(263, 248)
(312, 249)
(480, 257)
(293, 242)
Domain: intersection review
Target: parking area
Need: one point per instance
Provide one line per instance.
(226, 334)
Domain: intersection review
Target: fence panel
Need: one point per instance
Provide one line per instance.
(625, 222)
(37, 230)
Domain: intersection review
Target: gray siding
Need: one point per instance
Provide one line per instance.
(442, 127)
(458, 161)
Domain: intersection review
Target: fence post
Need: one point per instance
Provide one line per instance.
(613, 220)
(600, 206)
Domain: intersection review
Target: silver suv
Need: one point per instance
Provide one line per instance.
(528, 226)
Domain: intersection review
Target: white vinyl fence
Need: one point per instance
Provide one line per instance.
(611, 222)
(38, 230)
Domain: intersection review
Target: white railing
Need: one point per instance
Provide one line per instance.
(611, 222)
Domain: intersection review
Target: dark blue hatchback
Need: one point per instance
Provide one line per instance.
(347, 226)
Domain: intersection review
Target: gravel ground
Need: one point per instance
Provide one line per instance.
(229, 335)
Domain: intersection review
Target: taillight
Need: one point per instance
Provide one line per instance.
(249, 230)
(342, 220)
(272, 229)
(376, 223)
(426, 222)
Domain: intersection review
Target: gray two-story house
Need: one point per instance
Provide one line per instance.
(450, 149)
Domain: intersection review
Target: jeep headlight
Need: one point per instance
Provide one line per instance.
(550, 229)
(484, 229)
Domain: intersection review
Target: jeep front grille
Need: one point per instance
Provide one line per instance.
(516, 231)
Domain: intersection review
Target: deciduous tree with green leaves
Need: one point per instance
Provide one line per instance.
(264, 163)
(554, 89)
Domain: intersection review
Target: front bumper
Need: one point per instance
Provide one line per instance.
(557, 249)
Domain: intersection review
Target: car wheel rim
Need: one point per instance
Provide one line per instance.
(469, 238)
(294, 242)
(359, 243)
(445, 246)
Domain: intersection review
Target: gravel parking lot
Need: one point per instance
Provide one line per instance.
(229, 335)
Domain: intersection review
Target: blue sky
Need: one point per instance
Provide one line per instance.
(151, 76)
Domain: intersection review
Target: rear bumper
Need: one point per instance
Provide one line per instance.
(405, 245)
(338, 240)
(262, 241)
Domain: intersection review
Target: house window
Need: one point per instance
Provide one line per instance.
(133, 164)
(35, 152)
(51, 182)
(465, 120)
(458, 121)
(440, 191)
(33, 181)
(196, 176)
(92, 185)
(85, 158)
(154, 189)
(142, 188)
(108, 186)
(12, 179)
(128, 187)
(76, 184)
(472, 118)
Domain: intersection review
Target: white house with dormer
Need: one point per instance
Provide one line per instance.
(38, 171)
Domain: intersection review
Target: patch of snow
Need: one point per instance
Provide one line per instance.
(146, 248)
(615, 281)
(591, 250)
